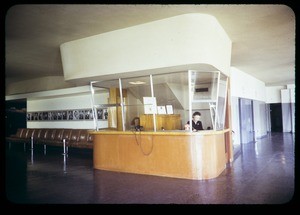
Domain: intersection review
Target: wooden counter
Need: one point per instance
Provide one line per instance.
(178, 154)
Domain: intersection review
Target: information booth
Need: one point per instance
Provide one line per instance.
(146, 118)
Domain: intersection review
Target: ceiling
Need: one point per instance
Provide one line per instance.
(263, 36)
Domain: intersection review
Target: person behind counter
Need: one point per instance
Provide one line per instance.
(196, 123)
(135, 124)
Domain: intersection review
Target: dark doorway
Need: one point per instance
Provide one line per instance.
(276, 117)
(15, 116)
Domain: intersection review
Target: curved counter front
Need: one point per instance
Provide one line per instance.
(178, 154)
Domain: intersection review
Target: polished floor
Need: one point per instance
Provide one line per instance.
(261, 173)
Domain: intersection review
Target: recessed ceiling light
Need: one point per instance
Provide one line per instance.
(137, 82)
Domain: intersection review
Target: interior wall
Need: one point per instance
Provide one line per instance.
(273, 94)
(246, 86)
(72, 102)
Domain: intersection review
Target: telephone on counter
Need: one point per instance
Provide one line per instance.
(138, 128)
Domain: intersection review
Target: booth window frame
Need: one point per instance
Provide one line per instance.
(217, 110)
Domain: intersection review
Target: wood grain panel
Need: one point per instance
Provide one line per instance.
(163, 121)
(189, 156)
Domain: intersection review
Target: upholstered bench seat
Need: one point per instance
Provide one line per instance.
(77, 138)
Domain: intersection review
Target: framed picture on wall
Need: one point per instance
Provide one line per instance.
(70, 115)
(54, 115)
(105, 114)
(36, 116)
(40, 114)
(45, 115)
(28, 116)
(59, 115)
(81, 114)
(64, 115)
(161, 110)
(100, 113)
(88, 114)
(49, 115)
(75, 114)
(150, 106)
(169, 109)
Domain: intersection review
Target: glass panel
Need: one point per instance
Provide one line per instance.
(167, 88)
(204, 86)
(136, 90)
(109, 107)
(171, 93)
(167, 100)
(221, 106)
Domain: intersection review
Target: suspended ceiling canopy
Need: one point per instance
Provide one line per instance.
(263, 36)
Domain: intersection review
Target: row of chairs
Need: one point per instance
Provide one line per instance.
(77, 138)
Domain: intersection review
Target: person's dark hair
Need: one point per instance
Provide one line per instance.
(133, 120)
(197, 113)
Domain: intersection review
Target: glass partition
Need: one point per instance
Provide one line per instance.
(164, 101)
(170, 91)
(109, 106)
(207, 95)
(221, 103)
(136, 101)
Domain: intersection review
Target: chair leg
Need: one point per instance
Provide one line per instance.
(64, 147)
(31, 156)
(31, 143)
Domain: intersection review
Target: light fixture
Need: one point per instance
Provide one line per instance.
(137, 82)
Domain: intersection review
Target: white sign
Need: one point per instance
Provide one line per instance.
(169, 109)
(150, 105)
(161, 110)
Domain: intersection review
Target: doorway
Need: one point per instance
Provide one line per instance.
(276, 117)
